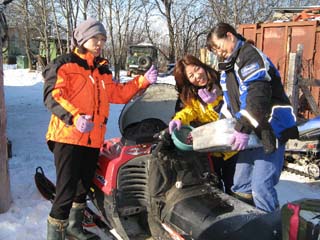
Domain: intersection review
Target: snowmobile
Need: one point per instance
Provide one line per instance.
(145, 187)
(302, 155)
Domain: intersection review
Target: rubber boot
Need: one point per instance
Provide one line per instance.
(56, 229)
(75, 229)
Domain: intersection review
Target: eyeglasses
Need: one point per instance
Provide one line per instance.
(218, 47)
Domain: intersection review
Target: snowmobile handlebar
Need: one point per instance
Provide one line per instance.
(163, 136)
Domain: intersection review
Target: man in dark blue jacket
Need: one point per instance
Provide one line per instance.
(256, 98)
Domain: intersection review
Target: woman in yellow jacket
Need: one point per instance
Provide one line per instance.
(199, 91)
(78, 89)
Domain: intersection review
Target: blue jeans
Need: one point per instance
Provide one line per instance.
(257, 173)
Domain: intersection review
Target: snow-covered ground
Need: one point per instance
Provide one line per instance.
(27, 121)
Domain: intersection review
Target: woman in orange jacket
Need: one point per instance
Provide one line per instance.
(78, 90)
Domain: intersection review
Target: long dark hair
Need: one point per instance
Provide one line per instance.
(220, 31)
(187, 90)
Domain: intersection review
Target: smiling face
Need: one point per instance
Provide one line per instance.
(95, 44)
(223, 47)
(196, 75)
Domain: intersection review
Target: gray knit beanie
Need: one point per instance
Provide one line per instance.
(86, 30)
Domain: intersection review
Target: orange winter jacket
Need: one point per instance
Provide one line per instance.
(76, 84)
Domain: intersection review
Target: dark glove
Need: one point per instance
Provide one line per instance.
(289, 133)
(151, 75)
(174, 124)
(206, 96)
(268, 140)
(165, 142)
(239, 141)
(163, 136)
(84, 123)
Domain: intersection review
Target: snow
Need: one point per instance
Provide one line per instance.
(27, 121)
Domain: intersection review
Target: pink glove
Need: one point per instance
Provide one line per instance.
(151, 75)
(84, 123)
(174, 124)
(239, 140)
(206, 96)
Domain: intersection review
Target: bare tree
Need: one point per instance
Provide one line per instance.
(119, 14)
(299, 3)
(130, 22)
(22, 8)
(42, 10)
(85, 4)
(97, 9)
(245, 11)
(190, 23)
(70, 11)
(23, 12)
(57, 28)
(257, 11)
(168, 14)
(186, 22)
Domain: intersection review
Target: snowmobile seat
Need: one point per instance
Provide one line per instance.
(310, 130)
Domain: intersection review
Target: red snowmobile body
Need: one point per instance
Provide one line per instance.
(144, 186)
(110, 163)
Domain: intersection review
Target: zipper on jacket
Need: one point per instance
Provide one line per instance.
(94, 103)
(94, 94)
(97, 86)
(92, 79)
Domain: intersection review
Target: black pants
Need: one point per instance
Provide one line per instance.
(225, 171)
(75, 168)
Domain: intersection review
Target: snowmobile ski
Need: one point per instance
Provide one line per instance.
(91, 219)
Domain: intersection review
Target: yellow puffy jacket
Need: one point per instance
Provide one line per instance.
(76, 84)
(196, 111)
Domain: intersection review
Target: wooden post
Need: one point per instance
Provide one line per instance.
(203, 55)
(5, 194)
(305, 85)
(295, 81)
(294, 71)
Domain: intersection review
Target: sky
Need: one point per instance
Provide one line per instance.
(27, 121)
